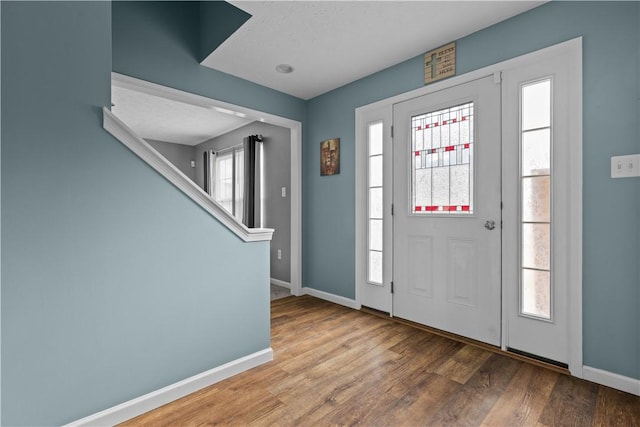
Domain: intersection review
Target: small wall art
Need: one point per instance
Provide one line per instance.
(330, 157)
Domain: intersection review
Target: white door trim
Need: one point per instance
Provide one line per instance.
(296, 153)
(384, 115)
(564, 67)
(575, 174)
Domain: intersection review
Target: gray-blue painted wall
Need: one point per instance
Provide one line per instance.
(101, 302)
(611, 208)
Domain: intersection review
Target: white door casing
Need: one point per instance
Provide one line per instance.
(370, 294)
(569, 177)
(447, 263)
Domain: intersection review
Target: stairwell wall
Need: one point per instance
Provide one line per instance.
(100, 301)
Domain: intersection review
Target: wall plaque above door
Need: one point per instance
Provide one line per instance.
(440, 63)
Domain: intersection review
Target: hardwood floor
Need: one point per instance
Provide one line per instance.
(337, 366)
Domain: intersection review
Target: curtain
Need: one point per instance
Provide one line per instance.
(249, 195)
(207, 174)
(208, 162)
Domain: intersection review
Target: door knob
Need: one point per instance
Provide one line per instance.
(490, 225)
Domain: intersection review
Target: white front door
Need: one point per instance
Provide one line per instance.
(447, 203)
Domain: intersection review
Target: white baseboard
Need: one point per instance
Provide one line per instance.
(331, 298)
(619, 382)
(127, 410)
(281, 283)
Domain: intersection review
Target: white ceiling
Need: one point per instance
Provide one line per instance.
(333, 43)
(161, 119)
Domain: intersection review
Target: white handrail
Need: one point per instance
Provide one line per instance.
(146, 152)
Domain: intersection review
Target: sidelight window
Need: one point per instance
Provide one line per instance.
(375, 188)
(535, 191)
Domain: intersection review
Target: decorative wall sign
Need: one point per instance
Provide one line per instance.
(330, 157)
(440, 63)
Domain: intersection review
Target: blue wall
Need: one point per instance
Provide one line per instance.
(611, 208)
(114, 283)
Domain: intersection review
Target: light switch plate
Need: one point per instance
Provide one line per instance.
(284, 191)
(625, 166)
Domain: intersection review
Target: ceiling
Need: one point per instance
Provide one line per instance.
(161, 119)
(333, 43)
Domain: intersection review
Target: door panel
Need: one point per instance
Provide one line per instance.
(446, 188)
(421, 261)
(461, 258)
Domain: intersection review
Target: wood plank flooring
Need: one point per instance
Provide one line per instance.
(337, 366)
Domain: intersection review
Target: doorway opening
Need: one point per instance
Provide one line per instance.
(236, 122)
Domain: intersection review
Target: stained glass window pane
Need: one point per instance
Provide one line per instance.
(536, 293)
(460, 185)
(536, 199)
(536, 105)
(375, 266)
(442, 161)
(454, 132)
(428, 139)
(375, 234)
(444, 131)
(465, 132)
(536, 156)
(375, 138)
(435, 136)
(419, 139)
(440, 186)
(423, 187)
(375, 171)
